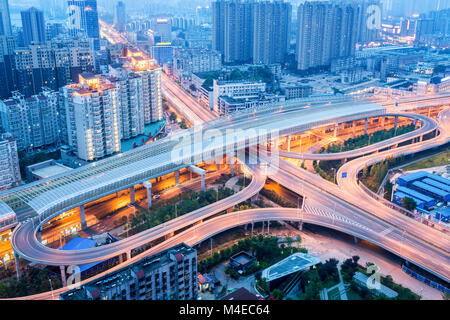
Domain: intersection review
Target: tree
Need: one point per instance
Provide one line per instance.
(277, 294)
(173, 116)
(409, 204)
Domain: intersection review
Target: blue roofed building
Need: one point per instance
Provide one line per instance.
(428, 201)
(81, 244)
(437, 184)
(431, 191)
(443, 214)
(398, 197)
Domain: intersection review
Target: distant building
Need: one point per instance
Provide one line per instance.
(83, 19)
(188, 61)
(168, 275)
(5, 19)
(120, 16)
(296, 91)
(33, 25)
(33, 122)
(163, 53)
(242, 261)
(271, 31)
(326, 30)
(163, 30)
(9, 163)
(236, 89)
(233, 30)
(228, 104)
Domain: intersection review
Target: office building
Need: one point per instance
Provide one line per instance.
(9, 163)
(32, 121)
(163, 53)
(271, 31)
(168, 275)
(233, 30)
(83, 19)
(5, 19)
(33, 25)
(187, 61)
(163, 30)
(120, 16)
(89, 112)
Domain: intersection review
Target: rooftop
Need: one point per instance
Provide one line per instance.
(294, 263)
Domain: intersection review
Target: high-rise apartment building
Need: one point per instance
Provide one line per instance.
(131, 101)
(89, 112)
(33, 25)
(33, 121)
(120, 16)
(83, 19)
(9, 163)
(168, 275)
(326, 30)
(233, 29)
(5, 19)
(271, 31)
(7, 62)
(53, 64)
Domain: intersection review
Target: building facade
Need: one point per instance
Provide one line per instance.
(83, 19)
(120, 16)
(89, 113)
(33, 121)
(188, 61)
(168, 275)
(33, 25)
(9, 163)
(326, 30)
(271, 29)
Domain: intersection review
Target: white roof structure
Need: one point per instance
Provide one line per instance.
(67, 190)
(294, 263)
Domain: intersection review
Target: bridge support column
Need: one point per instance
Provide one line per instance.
(83, 218)
(336, 127)
(147, 185)
(344, 161)
(39, 234)
(421, 138)
(201, 172)
(231, 160)
(132, 195)
(17, 264)
(355, 240)
(366, 122)
(177, 177)
(252, 228)
(63, 276)
(354, 128)
(268, 227)
(396, 123)
(288, 141)
(300, 226)
(128, 255)
(121, 258)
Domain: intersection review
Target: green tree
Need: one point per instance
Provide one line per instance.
(277, 294)
(409, 204)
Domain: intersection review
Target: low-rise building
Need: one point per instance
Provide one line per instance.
(236, 89)
(228, 104)
(296, 91)
(46, 169)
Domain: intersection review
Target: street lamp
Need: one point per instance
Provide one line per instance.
(51, 287)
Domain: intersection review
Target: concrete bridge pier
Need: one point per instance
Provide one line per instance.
(147, 185)
(17, 264)
(231, 161)
(128, 253)
(355, 240)
(39, 234)
(132, 195)
(300, 226)
(252, 227)
(63, 276)
(201, 172)
(177, 177)
(288, 141)
(336, 127)
(366, 122)
(83, 218)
